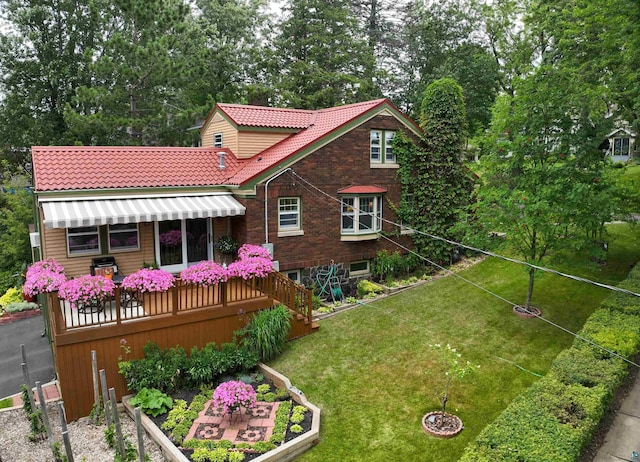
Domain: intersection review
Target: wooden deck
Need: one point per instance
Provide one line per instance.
(186, 315)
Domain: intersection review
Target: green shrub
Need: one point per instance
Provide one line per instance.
(263, 388)
(267, 332)
(12, 295)
(176, 415)
(152, 401)
(161, 369)
(15, 307)
(263, 446)
(236, 456)
(556, 417)
(366, 287)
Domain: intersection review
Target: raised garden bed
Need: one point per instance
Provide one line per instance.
(292, 446)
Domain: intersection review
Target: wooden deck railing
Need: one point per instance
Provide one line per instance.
(182, 298)
(293, 295)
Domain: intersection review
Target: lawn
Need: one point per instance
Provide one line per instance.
(373, 374)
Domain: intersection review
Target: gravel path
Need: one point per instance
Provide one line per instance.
(87, 440)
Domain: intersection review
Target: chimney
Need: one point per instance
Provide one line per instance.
(221, 165)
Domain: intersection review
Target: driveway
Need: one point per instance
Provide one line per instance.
(39, 359)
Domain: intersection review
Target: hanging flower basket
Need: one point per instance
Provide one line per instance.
(87, 293)
(148, 280)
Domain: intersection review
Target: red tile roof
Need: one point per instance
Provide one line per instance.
(261, 116)
(322, 123)
(364, 189)
(58, 168)
(61, 168)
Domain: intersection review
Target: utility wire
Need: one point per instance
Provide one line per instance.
(487, 252)
(514, 305)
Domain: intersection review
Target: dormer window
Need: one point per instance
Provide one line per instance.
(217, 140)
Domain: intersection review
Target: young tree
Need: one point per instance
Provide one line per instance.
(543, 172)
(436, 187)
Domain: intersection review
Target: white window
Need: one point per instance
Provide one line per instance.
(83, 241)
(381, 141)
(389, 156)
(289, 222)
(124, 237)
(217, 140)
(621, 146)
(361, 214)
(294, 275)
(375, 145)
(358, 268)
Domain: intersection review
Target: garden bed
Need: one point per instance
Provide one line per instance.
(292, 445)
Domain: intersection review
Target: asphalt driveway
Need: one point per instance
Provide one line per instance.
(39, 358)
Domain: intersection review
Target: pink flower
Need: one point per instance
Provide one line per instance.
(41, 281)
(234, 394)
(86, 290)
(149, 280)
(205, 273)
(48, 265)
(251, 250)
(250, 268)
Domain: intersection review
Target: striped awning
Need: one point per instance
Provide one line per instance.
(95, 212)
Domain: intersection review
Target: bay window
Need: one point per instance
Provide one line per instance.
(361, 215)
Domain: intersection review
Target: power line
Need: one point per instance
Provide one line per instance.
(514, 305)
(487, 252)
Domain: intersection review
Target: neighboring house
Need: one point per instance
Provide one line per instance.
(620, 144)
(262, 176)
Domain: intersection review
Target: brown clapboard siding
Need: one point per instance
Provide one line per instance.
(220, 125)
(55, 246)
(252, 143)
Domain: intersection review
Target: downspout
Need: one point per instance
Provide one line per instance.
(266, 204)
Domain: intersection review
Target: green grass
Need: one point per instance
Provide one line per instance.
(6, 402)
(373, 375)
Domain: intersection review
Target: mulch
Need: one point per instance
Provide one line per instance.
(12, 317)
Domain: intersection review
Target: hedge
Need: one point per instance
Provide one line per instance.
(555, 418)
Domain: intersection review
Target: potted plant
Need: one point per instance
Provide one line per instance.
(43, 276)
(205, 273)
(440, 423)
(254, 261)
(148, 280)
(226, 245)
(233, 395)
(87, 292)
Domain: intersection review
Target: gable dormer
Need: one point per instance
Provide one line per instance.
(249, 130)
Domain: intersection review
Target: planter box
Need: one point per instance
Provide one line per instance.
(283, 453)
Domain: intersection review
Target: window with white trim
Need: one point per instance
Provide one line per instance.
(123, 237)
(294, 275)
(289, 214)
(361, 214)
(83, 241)
(381, 147)
(217, 140)
(621, 146)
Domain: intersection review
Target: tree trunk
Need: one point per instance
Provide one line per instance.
(530, 289)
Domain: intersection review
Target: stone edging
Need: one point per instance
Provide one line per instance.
(441, 433)
(283, 453)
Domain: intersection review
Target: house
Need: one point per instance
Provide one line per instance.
(313, 186)
(620, 144)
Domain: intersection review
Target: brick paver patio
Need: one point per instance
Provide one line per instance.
(246, 425)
